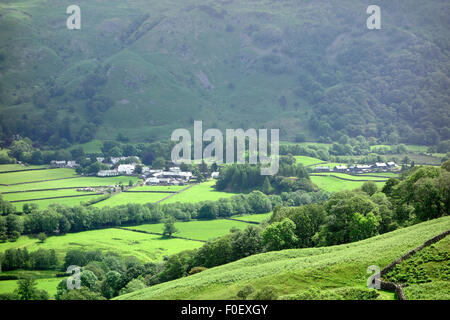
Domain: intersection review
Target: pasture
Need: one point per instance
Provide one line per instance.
(131, 197)
(294, 273)
(332, 184)
(260, 217)
(200, 192)
(198, 229)
(145, 247)
(159, 188)
(307, 161)
(37, 175)
(47, 284)
(42, 204)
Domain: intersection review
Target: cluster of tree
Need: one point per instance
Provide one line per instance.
(41, 259)
(26, 290)
(315, 151)
(60, 219)
(243, 177)
(104, 275)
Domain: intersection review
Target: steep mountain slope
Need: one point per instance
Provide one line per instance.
(144, 68)
(299, 271)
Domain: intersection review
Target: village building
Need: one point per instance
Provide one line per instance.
(58, 164)
(322, 169)
(107, 173)
(71, 164)
(340, 169)
(126, 169)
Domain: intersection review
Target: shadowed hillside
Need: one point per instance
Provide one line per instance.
(144, 68)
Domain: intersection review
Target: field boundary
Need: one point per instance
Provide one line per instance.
(28, 182)
(155, 191)
(158, 234)
(250, 222)
(60, 197)
(51, 189)
(345, 179)
(11, 171)
(397, 288)
(174, 194)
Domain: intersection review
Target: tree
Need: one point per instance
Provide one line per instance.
(169, 227)
(267, 187)
(279, 235)
(266, 293)
(81, 294)
(369, 187)
(26, 289)
(159, 163)
(245, 292)
(42, 237)
(14, 226)
(133, 285)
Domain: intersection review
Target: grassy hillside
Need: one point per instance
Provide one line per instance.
(297, 271)
(144, 68)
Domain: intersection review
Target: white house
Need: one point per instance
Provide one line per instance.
(152, 181)
(71, 164)
(107, 173)
(58, 164)
(126, 168)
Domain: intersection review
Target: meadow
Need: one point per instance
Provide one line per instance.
(131, 197)
(159, 188)
(71, 183)
(200, 192)
(51, 188)
(48, 284)
(17, 167)
(37, 175)
(260, 217)
(307, 161)
(145, 247)
(295, 272)
(43, 204)
(348, 176)
(198, 229)
(332, 184)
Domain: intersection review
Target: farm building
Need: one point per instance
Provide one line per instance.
(340, 169)
(58, 164)
(322, 169)
(107, 173)
(126, 168)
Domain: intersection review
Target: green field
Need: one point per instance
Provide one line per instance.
(145, 247)
(307, 161)
(332, 184)
(43, 194)
(201, 192)
(42, 204)
(348, 176)
(158, 188)
(26, 176)
(71, 183)
(14, 167)
(199, 230)
(38, 175)
(260, 217)
(49, 285)
(131, 197)
(294, 272)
